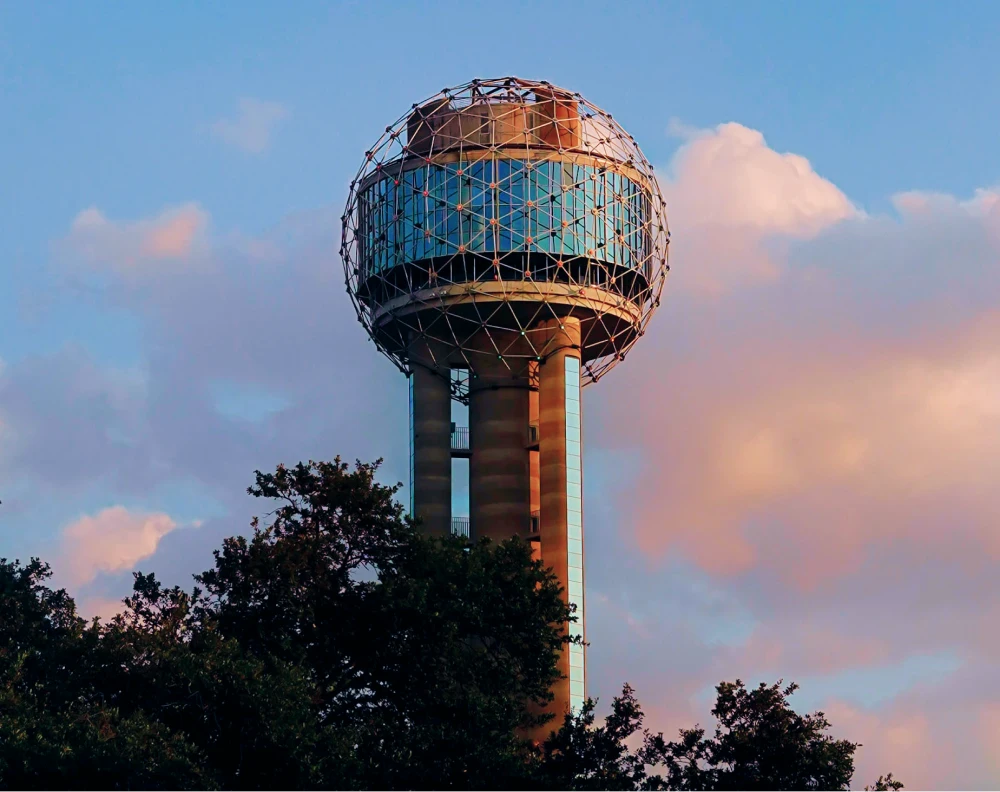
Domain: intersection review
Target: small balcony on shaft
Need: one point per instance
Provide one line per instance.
(460, 448)
(460, 526)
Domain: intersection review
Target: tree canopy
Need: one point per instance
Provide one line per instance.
(336, 646)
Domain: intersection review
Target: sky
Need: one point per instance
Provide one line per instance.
(792, 477)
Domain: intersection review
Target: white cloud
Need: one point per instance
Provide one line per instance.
(253, 126)
(728, 194)
(731, 177)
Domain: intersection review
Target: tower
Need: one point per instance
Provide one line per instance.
(505, 243)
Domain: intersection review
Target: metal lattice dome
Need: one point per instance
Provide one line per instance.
(493, 207)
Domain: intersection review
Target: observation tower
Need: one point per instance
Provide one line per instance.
(504, 244)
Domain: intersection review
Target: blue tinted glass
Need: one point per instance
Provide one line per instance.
(603, 212)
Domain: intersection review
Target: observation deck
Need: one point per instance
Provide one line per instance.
(492, 208)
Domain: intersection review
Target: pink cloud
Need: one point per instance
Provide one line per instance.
(174, 235)
(105, 608)
(778, 409)
(989, 736)
(897, 742)
(857, 446)
(816, 411)
(809, 649)
(113, 539)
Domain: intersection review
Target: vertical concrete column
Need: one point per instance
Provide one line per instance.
(561, 523)
(533, 462)
(430, 449)
(499, 473)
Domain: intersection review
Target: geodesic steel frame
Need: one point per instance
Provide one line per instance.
(496, 205)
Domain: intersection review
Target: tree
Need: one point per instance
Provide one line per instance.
(582, 756)
(760, 742)
(424, 654)
(56, 730)
(338, 647)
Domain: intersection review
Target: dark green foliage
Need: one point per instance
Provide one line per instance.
(582, 756)
(760, 743)
(57, 730)
(335, 647)
(338, 648)
(422, 653)
(885, 783)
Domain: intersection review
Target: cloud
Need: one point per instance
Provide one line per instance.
(258, 316)
(931, 737)
(862, 446)
(728, 194)
(172, 236)
(891, 741)
(813, 419)
(814, 649)
(927, 722)
(253, 126)
(111, 540)
(797, 400)
(989, 729)
(66, 421)
(106, 608)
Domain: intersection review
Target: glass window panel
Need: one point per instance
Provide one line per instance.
(604, 212)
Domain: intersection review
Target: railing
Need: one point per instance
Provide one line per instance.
(460, 526)
(460, 438)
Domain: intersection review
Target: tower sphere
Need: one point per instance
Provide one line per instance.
(490, 211)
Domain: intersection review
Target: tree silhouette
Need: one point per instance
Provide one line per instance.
(338, 647)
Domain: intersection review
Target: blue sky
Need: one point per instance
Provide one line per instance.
(159, 383)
